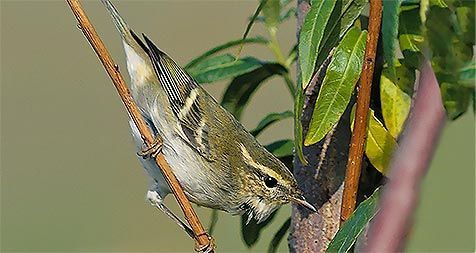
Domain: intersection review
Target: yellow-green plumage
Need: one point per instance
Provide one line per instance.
(219, 164)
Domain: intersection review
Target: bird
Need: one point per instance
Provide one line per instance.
(218, 163)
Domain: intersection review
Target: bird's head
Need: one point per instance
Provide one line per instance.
(268, 184)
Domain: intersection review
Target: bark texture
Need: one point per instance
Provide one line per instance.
(322, 178)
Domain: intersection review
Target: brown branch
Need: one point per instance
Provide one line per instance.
(357, 144)
(410, 163)
(202, 239)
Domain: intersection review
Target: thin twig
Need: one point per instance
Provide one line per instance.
(202, 239)
(357, 144)
(387, 232)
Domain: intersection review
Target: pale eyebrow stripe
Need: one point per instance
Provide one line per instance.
(250, 161)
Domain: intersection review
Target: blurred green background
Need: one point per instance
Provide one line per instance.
(70, 180)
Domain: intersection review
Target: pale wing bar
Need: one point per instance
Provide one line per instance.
(183, 94)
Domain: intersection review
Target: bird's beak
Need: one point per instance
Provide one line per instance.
(302, 201)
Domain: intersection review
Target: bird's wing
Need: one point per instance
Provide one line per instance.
(184, 96)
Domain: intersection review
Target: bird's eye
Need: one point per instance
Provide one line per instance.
(270, 181)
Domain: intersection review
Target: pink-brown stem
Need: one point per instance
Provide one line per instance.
(410, 163)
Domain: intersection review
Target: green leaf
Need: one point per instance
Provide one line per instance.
(270, 119)
(439, 3)
(411, 60)
(445, 36)
(223, 67)
(395, 103)
(250, 24)
(466, 19)
(298, 109)
(239, 91)
(389, 32)
(271, 12)
(278, 237)
(292, 56)
(251, 231)
(353, 227)
(410, 2)
(338, 85)
(405, 79)
(449, 53)
(379, 145)
(343, 16)
(467, 74)
(311, 35)
(424, 7)
(410, 37)
(314, 22)
(281, 148)
(230, 44)
(456, 99)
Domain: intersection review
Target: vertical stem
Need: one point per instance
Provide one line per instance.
(357, 144)
(202, 239)
(276, 48)
(289, 84)
(409, 165)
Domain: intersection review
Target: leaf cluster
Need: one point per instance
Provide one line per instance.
(334, 31)
(438, 31)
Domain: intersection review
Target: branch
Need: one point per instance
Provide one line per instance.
(357, 144)
(410, 163)
(203, 241)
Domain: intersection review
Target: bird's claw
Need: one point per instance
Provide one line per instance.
(152, 150)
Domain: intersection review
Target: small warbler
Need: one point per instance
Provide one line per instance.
(217, 162)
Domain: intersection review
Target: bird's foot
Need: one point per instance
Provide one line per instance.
(206, 248)
(157, 201)
(154, 198)
(152, 150)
